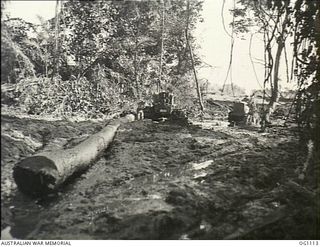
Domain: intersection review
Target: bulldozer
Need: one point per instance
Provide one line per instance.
(244, 113)
(239, 114)
(163, 108)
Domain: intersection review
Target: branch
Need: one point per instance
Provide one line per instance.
(270, 61)
(222, 16)
(271, 218)
(286, 60)
(229, 71)
(301, 61)
(266, 23)
(252, 63)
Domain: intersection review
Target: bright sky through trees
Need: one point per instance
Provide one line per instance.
(214, 43)
(215, 50)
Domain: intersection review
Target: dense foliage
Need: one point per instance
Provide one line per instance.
(104, 54)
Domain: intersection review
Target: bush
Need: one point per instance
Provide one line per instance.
(67, 98)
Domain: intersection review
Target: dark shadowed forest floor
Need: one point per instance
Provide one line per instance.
(162, 181)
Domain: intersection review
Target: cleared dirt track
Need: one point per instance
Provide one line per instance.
(160, 181)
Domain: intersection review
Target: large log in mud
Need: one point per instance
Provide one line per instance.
(45, 172)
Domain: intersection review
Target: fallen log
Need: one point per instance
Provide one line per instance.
(266, 221)
(45, 172)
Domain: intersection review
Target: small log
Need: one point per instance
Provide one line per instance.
(45, 172)
(305, 194)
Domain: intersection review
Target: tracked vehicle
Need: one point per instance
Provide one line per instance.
(239, 114)
(163, 108)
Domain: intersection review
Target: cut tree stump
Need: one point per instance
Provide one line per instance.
(45, 172)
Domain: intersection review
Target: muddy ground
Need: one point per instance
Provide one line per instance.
(162, 181)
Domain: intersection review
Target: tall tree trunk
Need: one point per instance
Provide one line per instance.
(46, 68)
(195, 77)
(275, 85)
(192, 59)
(56, 51)
(161, 52)
(135, 59)
(275, 92)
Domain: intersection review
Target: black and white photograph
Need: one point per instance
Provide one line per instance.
(160, 120)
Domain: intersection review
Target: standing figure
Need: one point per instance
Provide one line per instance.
(140, 108)
(253, 115)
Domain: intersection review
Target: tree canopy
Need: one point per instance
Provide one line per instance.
(107, 50)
